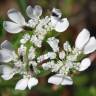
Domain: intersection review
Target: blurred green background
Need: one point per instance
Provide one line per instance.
(81, 14)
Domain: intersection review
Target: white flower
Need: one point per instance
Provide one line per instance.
(33, 63)
(53, 66)
(65, 69)
(72, 57)
(62, 55)
(67, 47)
(57, 66)
(34, 14)
(33, 22)
(45, 66)
(60, 25)
(8, 72)
(85, 63)
(25, 38)
(22, 50)
(42, 58)
(40, 31)
(36, 41)
(48, 65)
(56, 13)
(31, 54)
(18, 64)
(49, 55)
(59, 79)
(43, 25)
(26, 82)
(7, 54)
(53, 42)
(85, 43)
(17, 24)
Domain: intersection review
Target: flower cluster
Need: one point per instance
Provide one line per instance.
(69, 60)
(26, 60)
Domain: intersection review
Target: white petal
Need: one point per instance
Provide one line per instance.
(53, 42)
(85, 63)
(62, 55)
(5, 56)
(7, 73)
(82, 39)
(6, 45)
(67, 81)
(7, 70)
(55, 79)
(7, 77)
(37, 11)
(90, 46)
(29, 11)
(32, 82)
(56, 12)
(16, 16)
(54, 20)
(34, 12)
(22, 84)
(62, 25)
(15, 56)
(12, 27)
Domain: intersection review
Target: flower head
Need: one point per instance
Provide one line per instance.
(32, 53)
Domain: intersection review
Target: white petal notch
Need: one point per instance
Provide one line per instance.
(60, 25)
(16, 16)
(85, 63)
(85, 43)
(34, 12)
(67, 81)
(26, 82)
(60, 79)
